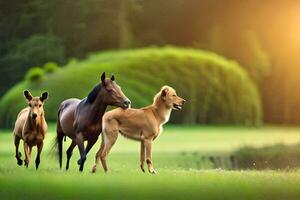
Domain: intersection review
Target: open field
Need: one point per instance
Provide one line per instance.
(175, 154)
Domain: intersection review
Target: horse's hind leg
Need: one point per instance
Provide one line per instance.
(69, 153)
(39, 150)
(59, 139)
(18, 154)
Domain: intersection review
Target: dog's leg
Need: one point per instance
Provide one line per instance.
(142, 156)
(148, 145)
(97, 158)
(110, 139)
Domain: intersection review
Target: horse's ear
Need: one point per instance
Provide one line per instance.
(112, 77)
(44, 96)
(27, 95)
(103, 78)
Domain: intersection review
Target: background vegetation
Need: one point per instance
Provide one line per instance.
(219, 91)
(261, 36)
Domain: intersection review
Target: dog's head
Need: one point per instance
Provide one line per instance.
(170, 98)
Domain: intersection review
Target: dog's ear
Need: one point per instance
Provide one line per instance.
(27, 95)
(44, 96)
(164, 93)
(103, 78)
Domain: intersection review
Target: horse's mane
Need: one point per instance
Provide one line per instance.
(93, 94)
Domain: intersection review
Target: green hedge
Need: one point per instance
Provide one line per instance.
(277, 156)
(218, 91)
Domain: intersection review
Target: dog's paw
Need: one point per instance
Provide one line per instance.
(152, 171)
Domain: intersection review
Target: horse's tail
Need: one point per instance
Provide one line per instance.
(59, 138)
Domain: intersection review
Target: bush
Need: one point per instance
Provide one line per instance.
(271, 157)
(50, 67)
(217, 91)
(35, 74)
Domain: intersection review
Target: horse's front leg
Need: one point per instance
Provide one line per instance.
(18, 154)
(80, 143)
(26, 151)
(89, 146)
(39, 151)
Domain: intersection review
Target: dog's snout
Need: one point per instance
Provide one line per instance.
(34, 115)
(126, 103)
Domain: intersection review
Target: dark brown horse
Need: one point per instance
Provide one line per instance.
(81, 120)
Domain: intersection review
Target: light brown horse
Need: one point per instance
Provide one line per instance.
(81, 120)
(31, 127)
(143, 125)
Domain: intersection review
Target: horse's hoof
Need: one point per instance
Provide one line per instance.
(94, 169)
(142, 168)
(20, 162)
(26, 163)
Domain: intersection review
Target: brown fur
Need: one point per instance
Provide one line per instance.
(31, 127)
(143, 125)
(81, 120)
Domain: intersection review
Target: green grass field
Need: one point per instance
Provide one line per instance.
(175, 154)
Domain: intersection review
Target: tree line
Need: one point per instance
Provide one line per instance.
(263, 36)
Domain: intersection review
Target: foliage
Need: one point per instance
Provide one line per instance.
(217, 90)
(35, 74)
(50, 67)
(239, 30)
(271, 157)
(33, 51)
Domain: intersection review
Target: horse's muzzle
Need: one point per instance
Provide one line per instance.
(34, 115)
(126, 103)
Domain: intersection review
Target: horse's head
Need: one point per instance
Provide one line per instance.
(113, 94)
(35, 104)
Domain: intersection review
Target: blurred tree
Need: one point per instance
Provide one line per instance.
(36, 50)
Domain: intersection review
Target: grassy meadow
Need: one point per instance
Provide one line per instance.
(175, 153)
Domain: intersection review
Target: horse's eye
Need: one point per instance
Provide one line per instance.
(29, 105)
(109, 90)
(174, 95)
(40, 105)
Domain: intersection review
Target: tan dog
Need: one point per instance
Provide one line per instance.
(31, 126)
(143, 125)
